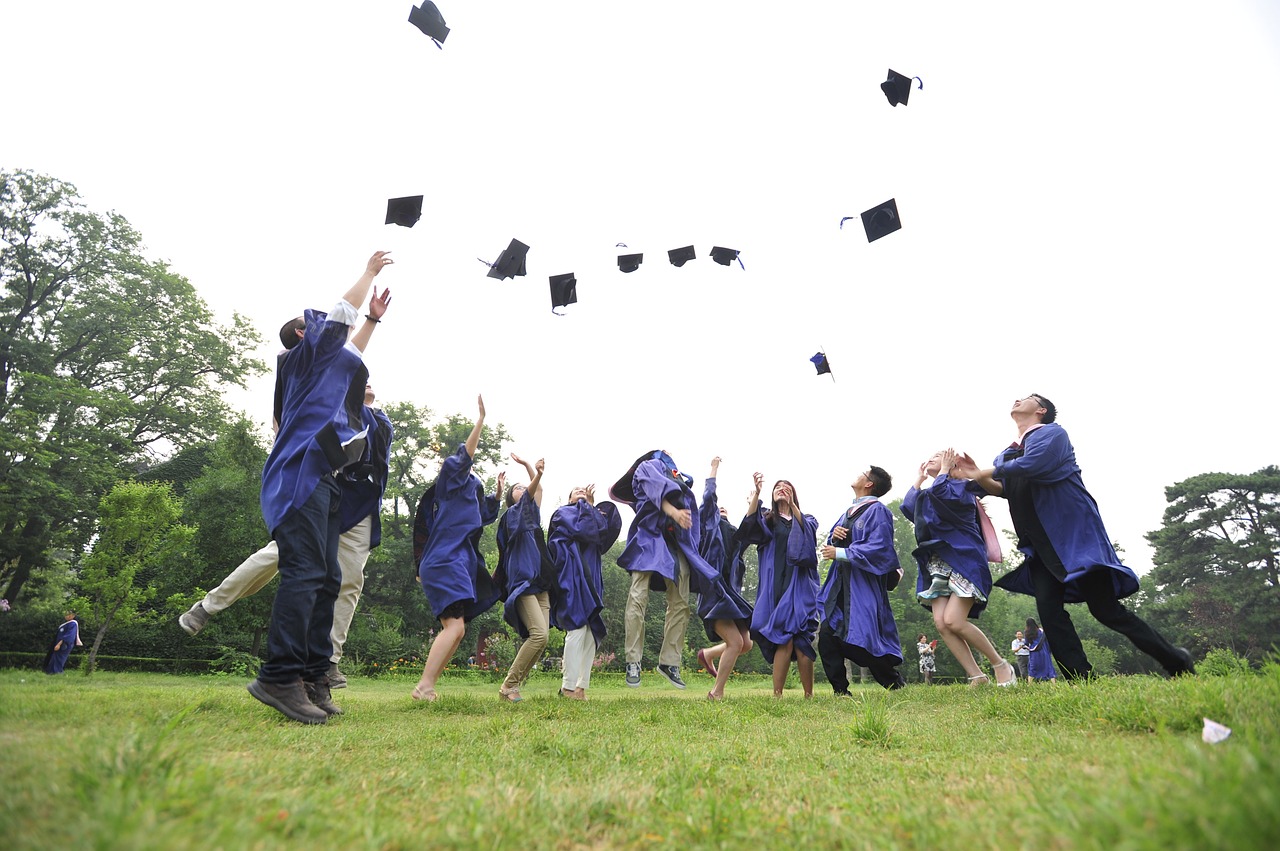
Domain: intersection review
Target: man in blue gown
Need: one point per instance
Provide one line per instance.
(1069, 555)
(322, 431)
(858, 622)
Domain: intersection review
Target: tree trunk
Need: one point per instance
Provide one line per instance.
(257, 641)
(93, 651)
(30, 553)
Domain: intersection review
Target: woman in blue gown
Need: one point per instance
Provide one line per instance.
(1040, 662)
(953, 581)
(68, 636)
(524, 584)
(786, 613)
(450, 517)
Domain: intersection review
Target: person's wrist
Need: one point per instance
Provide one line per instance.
(375, 320)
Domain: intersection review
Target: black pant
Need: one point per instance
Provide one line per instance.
(298, 640)
(834, 651)
(1100, 596)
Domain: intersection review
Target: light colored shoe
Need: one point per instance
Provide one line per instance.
(336, 678)
(194, 619)
(1013, 674)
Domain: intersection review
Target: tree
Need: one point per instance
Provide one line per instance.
(1217, 561)
(107, 360)
(138, 534)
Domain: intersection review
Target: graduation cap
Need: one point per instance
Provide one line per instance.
(428, 19)
(630, 262)
(725, 256)
(564, 291)
(680, 256)
(623, 489)
(510, 263)
(404, 211)
(881, 220)
(824, 366)
(898, 88)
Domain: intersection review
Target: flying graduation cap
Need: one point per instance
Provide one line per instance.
(510, 263)
(823, 365)
(428, 19)
(630, 262)
(881, 220)
(404, 211)
(680, 256)
(726, 256)
(898, 87)
(564, 291)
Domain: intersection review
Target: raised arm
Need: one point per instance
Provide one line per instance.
(473, 439)
(360, 289)
(377, 307)
(966, 468)
(535, 483)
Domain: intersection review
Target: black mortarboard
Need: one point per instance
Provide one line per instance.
(820, 361)
(881, 220)
(510, 263)
(404, 211)
(623, 490)
(724, 256)
(564, 291)
(630, 262)
(430, 21)
(680, 256)
(898, 88)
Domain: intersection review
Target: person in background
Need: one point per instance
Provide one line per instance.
(927, 663)
(67, 636)
(1040, 661)
(1020, 652)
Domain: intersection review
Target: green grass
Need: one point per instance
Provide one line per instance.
(152, 761)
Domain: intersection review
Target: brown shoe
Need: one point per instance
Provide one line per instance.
(290, 699)
(318, 694)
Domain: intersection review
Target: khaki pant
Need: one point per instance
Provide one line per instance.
(579, 655)
(257, 570)
(673, 629)
(535, 614)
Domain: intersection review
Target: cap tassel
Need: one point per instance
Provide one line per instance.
(921, 86)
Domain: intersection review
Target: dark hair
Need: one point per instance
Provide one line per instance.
(1050, 409)
(511, 490)
(1033, 628)
(920, 636)
(289, 331)
(795, 497)
(881, 479)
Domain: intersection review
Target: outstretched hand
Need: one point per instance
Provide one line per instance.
(964, 467)
(502, 483)
(480, 405)
(378, 303)
(377, 262)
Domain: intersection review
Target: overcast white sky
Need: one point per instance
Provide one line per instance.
(1088, 191)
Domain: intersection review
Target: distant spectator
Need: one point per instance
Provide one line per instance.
(927, 663)
(68, 635)
(1021, 653)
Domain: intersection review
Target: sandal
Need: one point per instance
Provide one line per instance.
(510, 696)
(981, 679)
(1013, 674)
(429, 695)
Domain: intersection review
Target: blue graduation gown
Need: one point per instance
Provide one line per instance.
(1057, 521)
(452, 569)
(722, 547)
(317, 377)
(854, 598)
(56, 661)
(363, 484)
(1040, 662)
(520, 552)
(577, 538)
(946, 523)
(791, 615)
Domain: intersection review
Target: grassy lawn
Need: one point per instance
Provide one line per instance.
(151, 761)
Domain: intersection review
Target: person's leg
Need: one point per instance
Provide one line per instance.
(637, 603)
(573, 641)
(443, 646)
(533, 614)
(250, 577)
(303, 539)
(782, 666)
(1056, 623)
(677, 621)
(584, 663)
(1022, 666)
(353, 554)
(883, 669)
(320, 629)
(944, 609)
(805, 665)
(831, 653)
(727, 630)
(1100, 596)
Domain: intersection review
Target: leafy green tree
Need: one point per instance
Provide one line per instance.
(107, 359)
(1217, 562)
(139, 532)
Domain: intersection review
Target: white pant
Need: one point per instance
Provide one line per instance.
(579, 654)
(260, 568)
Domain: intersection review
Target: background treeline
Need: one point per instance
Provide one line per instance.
(128, 489)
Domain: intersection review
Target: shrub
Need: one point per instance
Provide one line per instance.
(1102, 658)
(1223, 662)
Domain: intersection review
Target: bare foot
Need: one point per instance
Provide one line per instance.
(421, 692)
